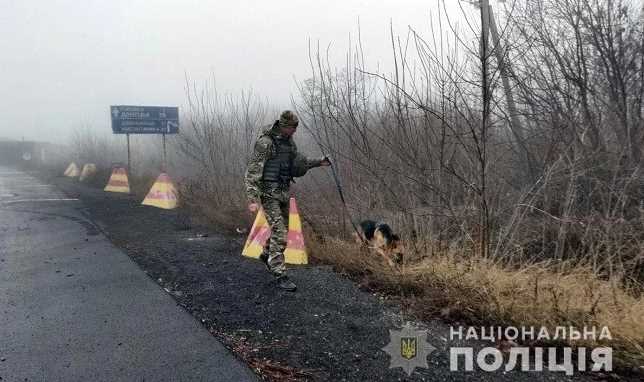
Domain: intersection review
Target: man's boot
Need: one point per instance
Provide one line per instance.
(263, 257)
(284, 283)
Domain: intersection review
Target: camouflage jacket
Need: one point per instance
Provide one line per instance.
(264, 150)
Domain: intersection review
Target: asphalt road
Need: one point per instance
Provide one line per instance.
(75, 308)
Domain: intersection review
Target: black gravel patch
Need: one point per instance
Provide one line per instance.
(329, 330)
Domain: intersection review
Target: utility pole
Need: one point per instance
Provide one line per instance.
(516, 127)
(488, 25)
(486, 98)
(499, 52)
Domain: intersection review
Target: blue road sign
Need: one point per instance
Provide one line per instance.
(144, 119)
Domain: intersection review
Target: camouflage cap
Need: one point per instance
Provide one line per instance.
(288, 118)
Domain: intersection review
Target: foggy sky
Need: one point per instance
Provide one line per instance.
(64, 62)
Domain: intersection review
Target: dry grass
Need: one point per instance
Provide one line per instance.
(225, 214)
(480, 291)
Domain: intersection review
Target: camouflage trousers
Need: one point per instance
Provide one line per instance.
(275, 202)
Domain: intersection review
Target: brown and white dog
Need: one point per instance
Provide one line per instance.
(380, 237)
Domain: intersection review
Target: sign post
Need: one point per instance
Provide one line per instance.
(163, 165)
(127, 119)
(129, 170)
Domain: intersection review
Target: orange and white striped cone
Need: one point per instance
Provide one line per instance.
(295, 252)
(118, 181)
(72, 170)
(257, 237)
(162, 194)
(89, 169)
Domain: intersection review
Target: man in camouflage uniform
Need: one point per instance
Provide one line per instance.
(274, 163)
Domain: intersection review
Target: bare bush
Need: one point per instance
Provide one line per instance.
(216, 145)
(514, 150)
(90, 146)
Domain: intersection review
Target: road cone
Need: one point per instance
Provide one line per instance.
(89, 169)
(295, 252)
(118, 181)
(162, 194)
(72, 170)
(257, 237)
